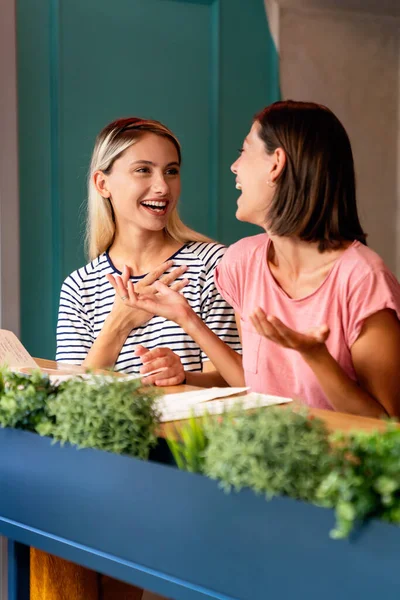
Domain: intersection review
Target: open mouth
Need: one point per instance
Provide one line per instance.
(155, 207)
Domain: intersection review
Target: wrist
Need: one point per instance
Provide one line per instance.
(117, 326)
(190, 322)
(316, 355)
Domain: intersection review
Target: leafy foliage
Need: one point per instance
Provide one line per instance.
(23, 399)
(364, 481)
(274, 451)
(112, 414)
(189, 444)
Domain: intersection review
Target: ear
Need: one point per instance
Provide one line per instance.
(100, 182)
(279, 162)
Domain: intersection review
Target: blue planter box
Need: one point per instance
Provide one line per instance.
(178, 534)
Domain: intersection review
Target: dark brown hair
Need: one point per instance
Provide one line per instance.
(315, 197)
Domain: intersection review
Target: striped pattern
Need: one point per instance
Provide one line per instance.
(87, 298)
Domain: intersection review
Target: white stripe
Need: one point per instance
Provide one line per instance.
(87, 299)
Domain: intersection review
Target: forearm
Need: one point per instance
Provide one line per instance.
(205, 379)
(107, 347)
(227, 362)
(343, 393)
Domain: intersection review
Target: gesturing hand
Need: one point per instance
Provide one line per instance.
(161, 358)
(167, 302)
(146, 286)
(272, 328)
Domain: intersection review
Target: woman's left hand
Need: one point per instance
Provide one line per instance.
(161, 358)
(272, 328)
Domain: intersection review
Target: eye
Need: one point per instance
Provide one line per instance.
(142, 170)
(241, 150)
(173, 171)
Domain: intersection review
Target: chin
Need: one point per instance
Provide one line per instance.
(241, 216)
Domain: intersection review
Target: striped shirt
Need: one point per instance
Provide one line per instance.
(87, 298)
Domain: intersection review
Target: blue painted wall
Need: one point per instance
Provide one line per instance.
(203, 67)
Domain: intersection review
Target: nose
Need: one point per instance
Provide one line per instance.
(234, 167)
(160, 185)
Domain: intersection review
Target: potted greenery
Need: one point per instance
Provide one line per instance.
(176, 532)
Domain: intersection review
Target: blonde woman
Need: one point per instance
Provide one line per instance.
(134, 233)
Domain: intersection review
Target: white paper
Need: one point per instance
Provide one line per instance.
(175, 411)
(12, 352)
(202, 395)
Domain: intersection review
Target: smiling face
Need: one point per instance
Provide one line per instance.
(255, 172)
(143, 183)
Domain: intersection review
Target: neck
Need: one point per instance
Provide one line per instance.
(141, 250)
(297, 257)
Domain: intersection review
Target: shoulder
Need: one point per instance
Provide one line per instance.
(205, 255)
(246, 249)
(361, 263)
(87, 275)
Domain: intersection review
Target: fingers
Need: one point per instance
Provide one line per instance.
(176, 380)
(179, 285)
(162, 288)
(164, 378)
(263, 326)
(132, 295)
(111, 279)
(289, 336)
(126, 273)
(141, 350)
(169, 376)
(151, 355)
(167, 362)
(273, 329)
(175, 273)
(118, 284)
(155, 365)
(154, 275)
(323, 333)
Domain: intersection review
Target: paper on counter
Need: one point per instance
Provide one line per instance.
(202, 395)
(173, 406)
(12, 352)
(173, 411)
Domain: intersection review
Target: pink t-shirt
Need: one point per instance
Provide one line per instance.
(358, 285)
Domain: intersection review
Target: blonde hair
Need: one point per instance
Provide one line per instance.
(111, 142)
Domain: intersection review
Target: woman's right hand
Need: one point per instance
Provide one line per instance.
(165, 302)
(122, 309)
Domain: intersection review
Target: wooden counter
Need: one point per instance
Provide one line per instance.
(334, 420)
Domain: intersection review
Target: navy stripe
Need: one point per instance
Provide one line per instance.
(87, 298)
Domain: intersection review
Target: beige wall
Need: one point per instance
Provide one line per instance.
(349, 60)
(9, 202)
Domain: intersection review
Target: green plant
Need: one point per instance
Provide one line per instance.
(189, 444)
(273, 451)
(364, 480)
(23, 399)
(108, 413)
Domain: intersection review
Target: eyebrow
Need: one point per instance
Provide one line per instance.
(149, 162)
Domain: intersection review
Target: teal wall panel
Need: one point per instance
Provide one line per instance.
(201, 66)
(36, 233)
(248, 82)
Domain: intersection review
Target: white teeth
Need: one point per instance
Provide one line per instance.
(238, 186)
(155, 204)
